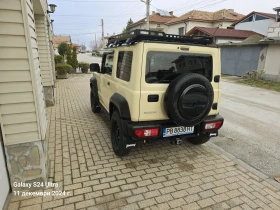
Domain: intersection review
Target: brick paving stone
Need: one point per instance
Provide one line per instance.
(66, 207)
(147, 202)
(104, 199)
(206, 202)
(135, 198)
(161, 206)
(153, 176)
(111, 190)
(192, 198)
(206, 194)
(191, 206)
(177, 203)
(116, 204)
(31, 201)
(94, 194)
(73, 199)
(132, 206)
(32, 207)
(52, 204)
(84, 204)
(220, 206)
(164, 198)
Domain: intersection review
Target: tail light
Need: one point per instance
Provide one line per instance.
(213, 125)
(146, 132)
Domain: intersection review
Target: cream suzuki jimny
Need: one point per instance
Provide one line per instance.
(154, 86)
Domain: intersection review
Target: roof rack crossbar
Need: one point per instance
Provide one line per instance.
(138, 35)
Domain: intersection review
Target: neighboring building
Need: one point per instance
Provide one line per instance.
(222, 35)
(254, 53)
(196, 18)
(26, 84)
(256, 21)
(157, 22)
(77, 46)
(57, 40)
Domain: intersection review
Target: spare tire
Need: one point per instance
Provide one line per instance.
(188, 99)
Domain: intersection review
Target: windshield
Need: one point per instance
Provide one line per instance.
(163, 67)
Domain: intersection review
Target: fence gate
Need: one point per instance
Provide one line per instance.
(237, 60)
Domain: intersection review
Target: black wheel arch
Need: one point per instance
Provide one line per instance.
(94, 87)
(117, 101)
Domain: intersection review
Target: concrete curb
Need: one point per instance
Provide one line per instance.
(239, 162)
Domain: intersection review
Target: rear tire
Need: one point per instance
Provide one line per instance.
(199, 139)
(118, 139)
(94, 103)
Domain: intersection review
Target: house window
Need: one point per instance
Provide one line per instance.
(124, 65)
(158, 25)
(259, 17)
(181, 31)
(249, 19)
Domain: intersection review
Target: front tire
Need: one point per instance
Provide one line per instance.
(94, 104)
(199, 139)
(118, 139)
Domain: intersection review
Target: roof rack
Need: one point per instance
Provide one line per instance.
(135, 36)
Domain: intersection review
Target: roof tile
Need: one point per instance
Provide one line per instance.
(224, 33)
(224, 14)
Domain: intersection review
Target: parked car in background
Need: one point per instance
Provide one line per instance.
(94, 53)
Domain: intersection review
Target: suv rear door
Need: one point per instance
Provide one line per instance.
(161, 60)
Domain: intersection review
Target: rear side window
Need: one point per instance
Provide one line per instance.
(124, 65)
(163, 67)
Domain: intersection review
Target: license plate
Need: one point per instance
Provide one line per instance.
(176, 131)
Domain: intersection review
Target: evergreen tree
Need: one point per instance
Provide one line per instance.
(130, 21)
(69, 55)
(74, 58)
(62, 48)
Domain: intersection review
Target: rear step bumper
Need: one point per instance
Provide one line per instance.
(130, 127)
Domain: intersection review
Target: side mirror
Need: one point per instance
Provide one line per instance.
(94, 67)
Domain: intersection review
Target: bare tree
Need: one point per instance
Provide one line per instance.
(96, 45)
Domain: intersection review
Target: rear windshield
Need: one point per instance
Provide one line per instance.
(163, 67)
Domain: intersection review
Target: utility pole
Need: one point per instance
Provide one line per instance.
(102, 24)
(147, 2)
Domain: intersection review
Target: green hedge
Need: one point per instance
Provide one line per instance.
(58, 59)
(63, 69)
(84, 67)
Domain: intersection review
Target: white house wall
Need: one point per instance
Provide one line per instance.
(220, 41)
(22, 107)
(272, 63)
(44, 50)
(174, 29)
(39, 94)
(192, 24)
(260, 26)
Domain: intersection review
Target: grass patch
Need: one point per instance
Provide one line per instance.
(262, 84)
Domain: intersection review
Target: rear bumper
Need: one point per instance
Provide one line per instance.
(130, 127)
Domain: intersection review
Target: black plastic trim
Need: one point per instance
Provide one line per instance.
(217, 78)
(94, 87)
(129, 127)
(215, 106)
(153, 98)
(121, 104)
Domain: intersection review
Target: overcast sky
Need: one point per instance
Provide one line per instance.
(82, 18)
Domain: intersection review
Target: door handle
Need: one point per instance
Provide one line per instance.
(108, 83)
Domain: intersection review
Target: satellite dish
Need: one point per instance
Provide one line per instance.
(163, 13)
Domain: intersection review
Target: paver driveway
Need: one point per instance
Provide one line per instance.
(154, 176)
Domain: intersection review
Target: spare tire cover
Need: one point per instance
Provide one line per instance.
(188, 99)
